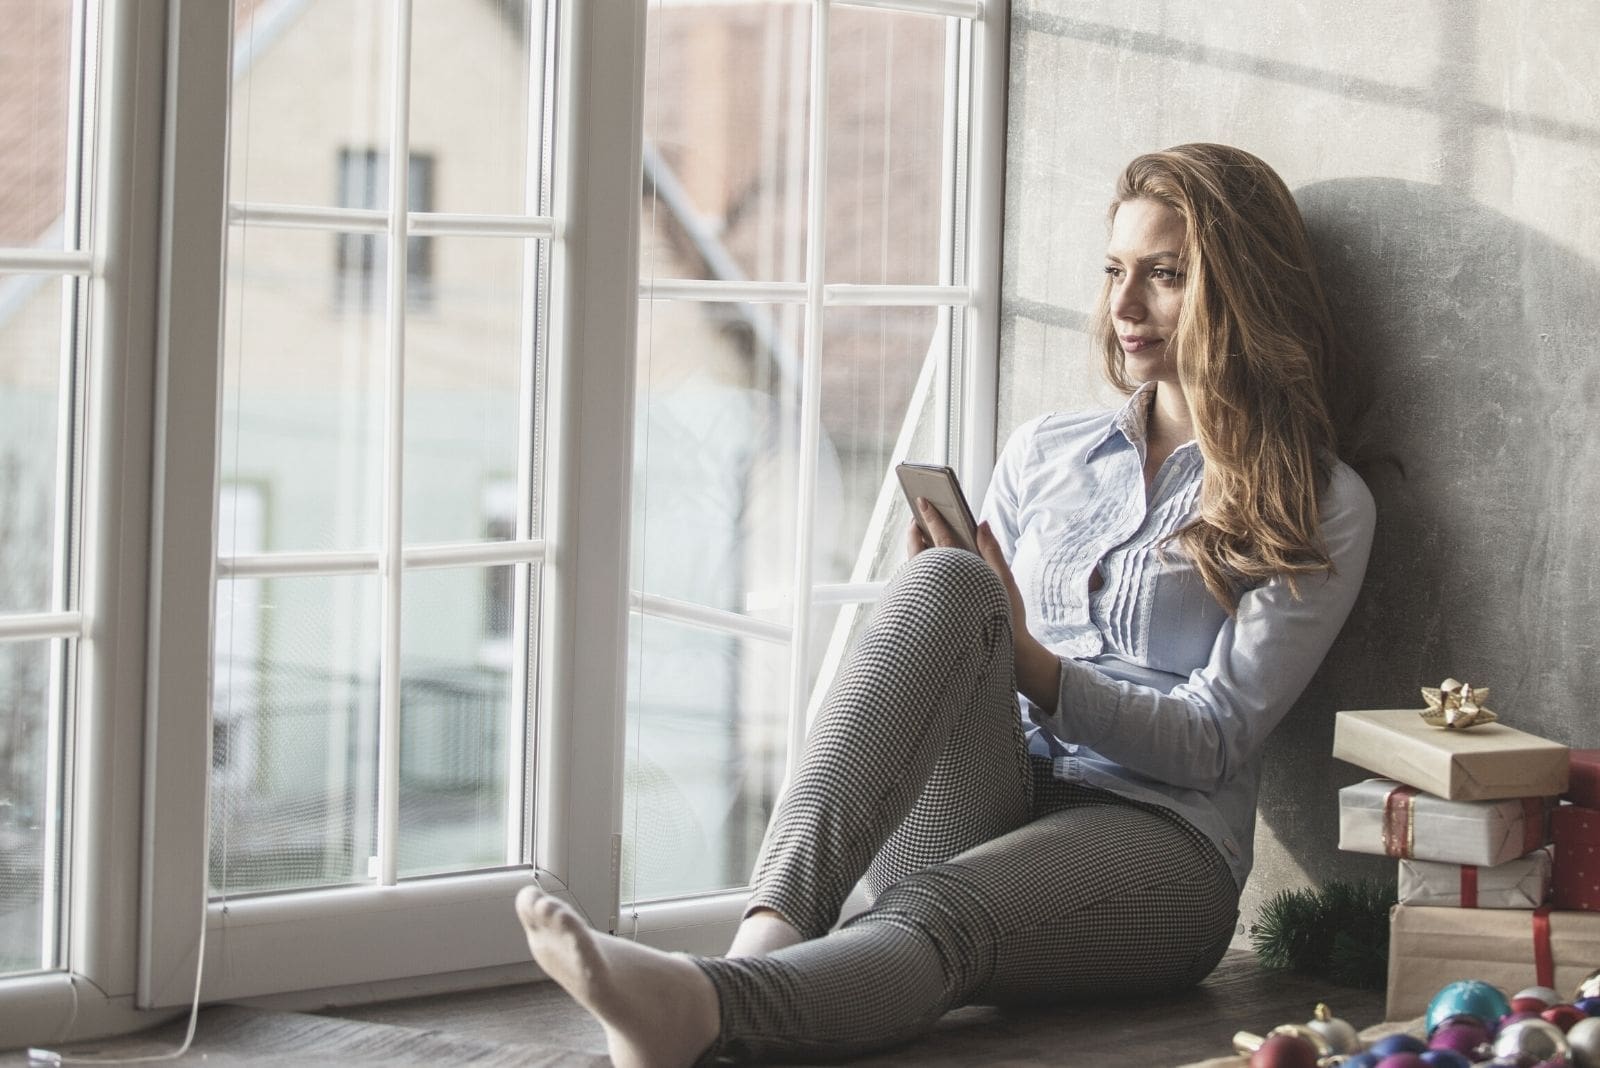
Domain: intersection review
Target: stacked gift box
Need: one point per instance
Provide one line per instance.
(1471, 816)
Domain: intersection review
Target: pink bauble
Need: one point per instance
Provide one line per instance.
(1284, 1051)
(1463, 1037)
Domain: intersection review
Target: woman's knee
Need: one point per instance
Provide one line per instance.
(951, 579)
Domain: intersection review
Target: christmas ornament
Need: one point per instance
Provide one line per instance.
(1393, 1044)
(1469, 997)
(1535, 1040)
(1402, 1060)
(1589, 988)
(1541, 993)
(1588, 1006)
(1463, 1035)
(1339, 1035)
(1445, 1058)
(1525, 1003)
(1563, 1016)
(1284, 1051)
(1512, 1018)
(1584, 1039)
(1456, 705)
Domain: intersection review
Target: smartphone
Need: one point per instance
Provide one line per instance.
(937, 484)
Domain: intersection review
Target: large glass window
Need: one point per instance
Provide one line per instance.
(803, 280)
(45, 277)
(374, 655)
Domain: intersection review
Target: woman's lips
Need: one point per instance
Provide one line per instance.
(1135, 343)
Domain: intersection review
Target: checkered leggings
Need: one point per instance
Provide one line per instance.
(993, 880)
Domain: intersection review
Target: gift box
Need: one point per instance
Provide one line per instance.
(1430, 947)
(1484, 763)
(1385, 817)
(1583, 777)
(1523, 883)
(1576, 832)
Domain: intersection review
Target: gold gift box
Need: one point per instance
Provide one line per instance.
(1486, 763)
(1431, 947)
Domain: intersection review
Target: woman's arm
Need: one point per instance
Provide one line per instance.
(1198, 735)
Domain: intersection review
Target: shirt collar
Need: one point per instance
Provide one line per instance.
(1129, 421)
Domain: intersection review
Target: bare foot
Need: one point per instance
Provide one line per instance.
(763, 932)
(658, 1009)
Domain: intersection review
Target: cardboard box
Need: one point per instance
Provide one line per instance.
(1381, 816)
(1576, 831)
(1523, 883)
(1481, 764)
(1430, 947)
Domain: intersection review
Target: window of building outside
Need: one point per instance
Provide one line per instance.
(392, 471)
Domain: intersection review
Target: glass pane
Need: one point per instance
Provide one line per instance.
(469, 100)
(886, 145)
(881, 402)
(310, 81)
(707, 731)
(295, 716)
(715, 476)
(726, 114)
(303, 384)
(834, 630)
(30, 380)
(464, 341)
(455, 711)
(26, 878)
(35, 79)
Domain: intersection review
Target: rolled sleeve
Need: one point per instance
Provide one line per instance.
(1205, 729)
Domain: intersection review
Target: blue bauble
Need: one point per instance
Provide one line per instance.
(1362, 1060)
(1445, 1058)
(1588, 1006)
(1469, 997)
(1385, 1047)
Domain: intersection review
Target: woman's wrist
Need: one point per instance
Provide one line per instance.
(1038, 673)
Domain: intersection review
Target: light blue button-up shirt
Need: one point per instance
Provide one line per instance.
(1164, 698)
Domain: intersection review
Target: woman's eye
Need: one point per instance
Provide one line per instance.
(1164, 274)
(1113, 270)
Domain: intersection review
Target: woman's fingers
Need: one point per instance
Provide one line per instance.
(915, 542)
(943, 536)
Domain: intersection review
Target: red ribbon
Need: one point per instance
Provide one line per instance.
(1469, 886)
(1397, 821)
(1544, 964)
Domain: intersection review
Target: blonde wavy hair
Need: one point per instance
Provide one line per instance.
(1254, 346)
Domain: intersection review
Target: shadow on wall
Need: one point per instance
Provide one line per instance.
(1476, 341)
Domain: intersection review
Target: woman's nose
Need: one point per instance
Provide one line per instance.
(1125, 303)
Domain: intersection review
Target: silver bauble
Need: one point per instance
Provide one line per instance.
(1537, 1039)
(1339, 1035)
(1589, 988)
(1584, 1038)
(1544, 993)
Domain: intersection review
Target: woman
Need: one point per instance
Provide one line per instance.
(1159, 582)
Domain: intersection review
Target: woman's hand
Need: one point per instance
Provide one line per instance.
(1038, 671)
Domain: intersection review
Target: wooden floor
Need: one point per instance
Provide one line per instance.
(1194, 1026)
(538, 1026)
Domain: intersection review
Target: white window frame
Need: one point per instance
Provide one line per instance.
(136, 889)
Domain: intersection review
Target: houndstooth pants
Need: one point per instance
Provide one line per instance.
(993, 880)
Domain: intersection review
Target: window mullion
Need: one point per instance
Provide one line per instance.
(810, 383)
(394, 455)
(986, 183)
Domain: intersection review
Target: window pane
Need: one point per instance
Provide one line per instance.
(469, 90)
(26, 881)
(309, 80)
(886, 145)
(35, 77)
(706, 733)
(881, 384)
(296, 721)
(715, 454)
(30, 383)
(463, 385)
(303, 386)
(456, 708)
(726, 113)
(834, 630)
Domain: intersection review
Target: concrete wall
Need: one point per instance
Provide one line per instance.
(1445, 156)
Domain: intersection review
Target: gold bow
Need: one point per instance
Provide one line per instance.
(1457, 705)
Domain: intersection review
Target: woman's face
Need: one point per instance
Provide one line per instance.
(1144, 264)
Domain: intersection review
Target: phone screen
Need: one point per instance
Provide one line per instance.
(938, 485)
